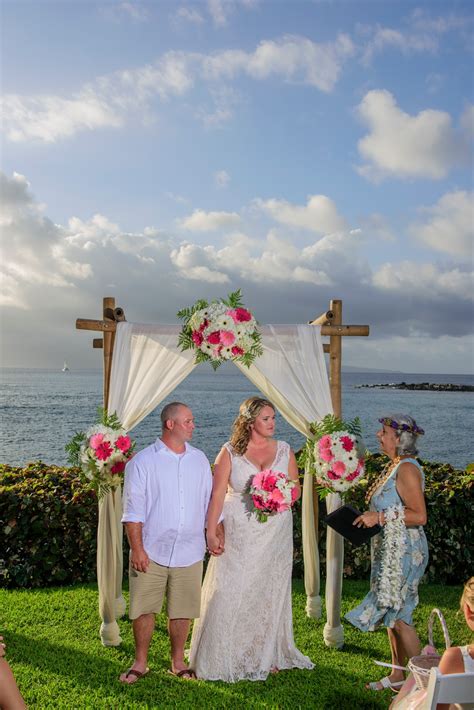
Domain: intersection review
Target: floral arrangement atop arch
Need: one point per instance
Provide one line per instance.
(335, 454)
(220, 330)
(101, 453)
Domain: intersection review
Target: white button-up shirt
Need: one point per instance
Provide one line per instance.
(169, 493)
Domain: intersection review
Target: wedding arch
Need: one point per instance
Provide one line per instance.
(143, 364)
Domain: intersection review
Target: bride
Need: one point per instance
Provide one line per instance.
(245, 630)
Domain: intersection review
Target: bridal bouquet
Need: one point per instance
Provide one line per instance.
(101, 453)
(271, 492)
(220, 330)
(335, 454)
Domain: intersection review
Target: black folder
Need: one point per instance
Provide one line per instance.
(341, 521)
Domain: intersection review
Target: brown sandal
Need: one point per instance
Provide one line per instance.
(134, 672)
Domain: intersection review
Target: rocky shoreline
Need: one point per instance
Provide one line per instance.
(429, 386)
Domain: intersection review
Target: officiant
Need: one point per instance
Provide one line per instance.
(400, 552)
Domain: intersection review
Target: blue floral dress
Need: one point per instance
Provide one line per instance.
(370, 613)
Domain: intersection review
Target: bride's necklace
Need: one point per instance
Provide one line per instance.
(382, 478)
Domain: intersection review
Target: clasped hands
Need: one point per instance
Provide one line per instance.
(216, 542)
(367, 519)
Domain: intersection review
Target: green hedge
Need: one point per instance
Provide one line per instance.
(48, 526)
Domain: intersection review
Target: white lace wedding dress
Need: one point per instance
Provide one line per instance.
(246, 627)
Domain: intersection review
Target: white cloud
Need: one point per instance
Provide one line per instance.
(221, 178)
(319, 215)
(407, 43)
(135, 10)
(189, 14)
(400, 145)
(450, 224)
(108, 101)
(293, 58)
(425, 281)
(55, 273)
(201, 221)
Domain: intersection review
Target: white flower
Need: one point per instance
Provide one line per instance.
(417, 557)
(226, 353)
(206, 348)
(367, 614)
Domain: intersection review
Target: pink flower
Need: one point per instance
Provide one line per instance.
(326, 454)
(214, 338)
(294, 494)
(123, 443)
(257, 480)
(103, 451)
(203, 325)
(333, 476)
(227, 337)
(268, 483)
(96, 440)
(197, 337)
(258, 502)
(347, 443)
(239, 315)
(325, 442)
(237, 350)
(339, 468)
(118, 467)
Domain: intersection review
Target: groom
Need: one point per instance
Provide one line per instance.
(166, 494)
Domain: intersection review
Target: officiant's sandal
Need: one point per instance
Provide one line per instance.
(385, 683)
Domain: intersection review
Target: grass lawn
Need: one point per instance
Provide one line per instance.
(55, 651)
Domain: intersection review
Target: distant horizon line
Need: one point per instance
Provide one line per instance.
(354, 369)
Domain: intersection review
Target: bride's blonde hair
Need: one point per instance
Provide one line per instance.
(468, 595)
(242, 426)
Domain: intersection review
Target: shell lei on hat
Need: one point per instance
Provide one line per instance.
(334, 454)
(221, 330)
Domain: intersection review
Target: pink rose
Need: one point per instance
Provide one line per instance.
(197, 337)
(325, 442)
(239, 315)
(103, 451)
(227, 337)
(203, 325)
(123, 443)
(333, 476)
(237, 350)
(118, 467)
(214, 338)
(96, 440)
(347, 443)
(294, 493)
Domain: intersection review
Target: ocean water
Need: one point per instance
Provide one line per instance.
(40, 410)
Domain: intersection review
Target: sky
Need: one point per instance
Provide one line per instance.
(301, 150)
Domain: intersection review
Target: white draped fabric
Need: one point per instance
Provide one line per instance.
(147, 366)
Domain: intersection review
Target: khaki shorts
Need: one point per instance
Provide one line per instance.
(181, 584)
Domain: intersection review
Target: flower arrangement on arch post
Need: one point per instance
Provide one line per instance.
(221, 330)
(334, 454)
(101, 453)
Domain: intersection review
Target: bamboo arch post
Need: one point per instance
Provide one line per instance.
(109, 529)
(331, 325)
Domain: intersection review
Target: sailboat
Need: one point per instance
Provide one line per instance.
(65, 367)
